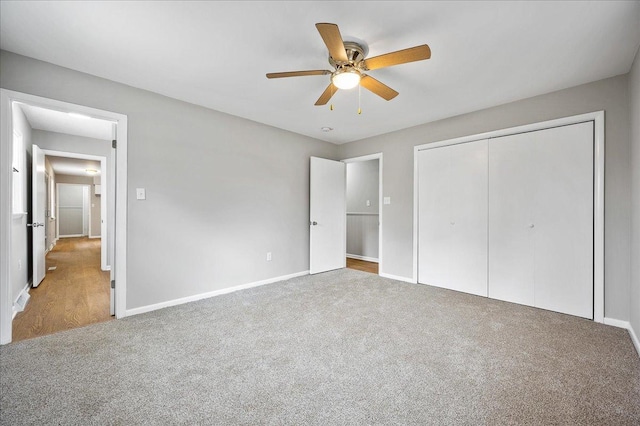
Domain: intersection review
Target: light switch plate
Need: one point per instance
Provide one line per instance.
(141, 194)
(387, 200)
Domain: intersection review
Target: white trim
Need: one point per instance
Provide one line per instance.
(634, 339)
(364, 213)
(616, 323)
(598, 217)
(377, 156)
(398, 278)
(626, 325)
(72, 236)
(182, 300)
(365, 258)
(598, 190)
(6, 211)
(120, 158)
(94, 237)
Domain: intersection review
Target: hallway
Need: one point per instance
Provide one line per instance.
(74, 294)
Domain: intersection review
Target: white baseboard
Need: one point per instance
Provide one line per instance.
(24, 293)
(368, 259)
(398, 278)
(634, 339)
(71, 236)
(108, 268)
(626, 325)
(94, 236)
(617, 323)
(149, 308)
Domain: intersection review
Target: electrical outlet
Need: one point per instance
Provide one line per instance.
(387, 200)
(368, 203)
(268, 256)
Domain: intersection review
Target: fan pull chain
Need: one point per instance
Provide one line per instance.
(359, 92)
(331, 105)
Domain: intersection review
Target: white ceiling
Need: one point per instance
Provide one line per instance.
(216, 54)
(73, 166)
(62, 122)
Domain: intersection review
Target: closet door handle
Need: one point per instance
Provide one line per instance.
(531, 226)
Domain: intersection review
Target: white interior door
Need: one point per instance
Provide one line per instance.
(327, 215)
(38, 207)
(512, 177)
(541, 219)
(468, 221)
(564, 220)
(434, 207)
(452, 225)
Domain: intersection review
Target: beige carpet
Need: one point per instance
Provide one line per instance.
(340, 348)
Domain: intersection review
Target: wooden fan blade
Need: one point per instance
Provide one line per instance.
(327, 94)
(332, 38)
(411, 54)
(297, 73)
(378, 88)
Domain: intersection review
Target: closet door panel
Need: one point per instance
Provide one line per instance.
(511, 182)
(468, 220)
(434, 207)
(564, 220)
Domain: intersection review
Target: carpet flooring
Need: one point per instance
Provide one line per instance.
(339, 348)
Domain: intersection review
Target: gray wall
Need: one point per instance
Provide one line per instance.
(21, 235)
(81, 145)
(221, 191)
(609, 95)
(634, 113)
(362, 229)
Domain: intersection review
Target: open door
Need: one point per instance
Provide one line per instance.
(38, 207)
(327, 221)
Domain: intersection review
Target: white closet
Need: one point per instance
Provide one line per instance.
(511, 218)
(453, 217)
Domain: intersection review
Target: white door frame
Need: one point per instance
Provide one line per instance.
(598, 191)
(376, 156)
(104, 199)
(119, 263)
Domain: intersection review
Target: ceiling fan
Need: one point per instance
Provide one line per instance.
(348, 59)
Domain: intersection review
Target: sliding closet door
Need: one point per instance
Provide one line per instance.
(452, 224)
(541, 219)
(564, 220)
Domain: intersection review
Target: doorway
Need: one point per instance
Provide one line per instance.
(364, 212)
(115, 204)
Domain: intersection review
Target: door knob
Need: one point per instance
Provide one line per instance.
(531, 226)
(314, 223)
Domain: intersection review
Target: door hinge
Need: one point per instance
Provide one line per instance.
(114, 144)
(113, 283)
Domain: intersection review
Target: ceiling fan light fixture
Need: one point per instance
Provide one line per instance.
(346, 78)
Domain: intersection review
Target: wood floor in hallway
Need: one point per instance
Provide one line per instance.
(73, 295)
(362, 265)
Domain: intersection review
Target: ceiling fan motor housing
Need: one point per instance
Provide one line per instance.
(356, 52)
